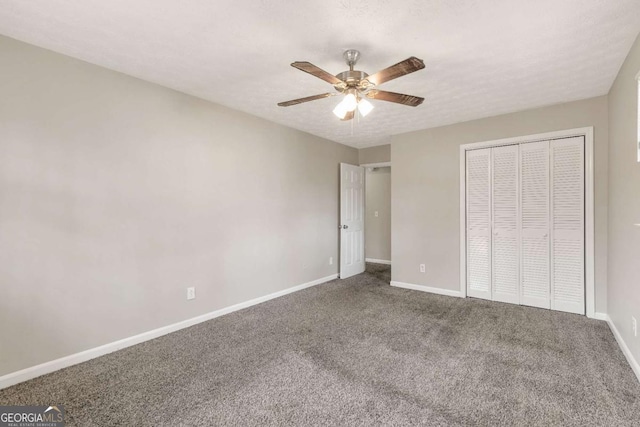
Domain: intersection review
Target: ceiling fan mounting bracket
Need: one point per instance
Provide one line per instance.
(351, 56)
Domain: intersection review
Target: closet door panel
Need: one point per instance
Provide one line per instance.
(505, 243)
(478, 185)
(567, 225)
(534, 225)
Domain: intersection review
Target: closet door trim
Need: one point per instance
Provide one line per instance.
(587, 133)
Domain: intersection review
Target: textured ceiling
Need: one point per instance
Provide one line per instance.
(482, 58)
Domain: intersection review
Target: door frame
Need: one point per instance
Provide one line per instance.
(589, 241)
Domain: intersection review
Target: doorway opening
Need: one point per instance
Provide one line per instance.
(365, 220)
(377, 235)
(378, 220)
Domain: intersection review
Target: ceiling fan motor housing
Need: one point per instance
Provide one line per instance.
(352, 78)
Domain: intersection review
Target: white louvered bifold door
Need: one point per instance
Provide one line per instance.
(567, 225)
(478, 185)
(505, 245)
(534, 225)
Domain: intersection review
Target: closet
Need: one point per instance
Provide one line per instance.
(525, 223)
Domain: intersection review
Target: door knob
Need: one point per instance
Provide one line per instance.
(345, 226)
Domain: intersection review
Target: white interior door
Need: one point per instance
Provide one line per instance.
(352, 259)
(534, 225)
(567, 220)
(505, 244)
(478, 185)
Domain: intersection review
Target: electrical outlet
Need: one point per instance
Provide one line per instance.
(376, 214)
(634, 325)
(330, 260)
(423, 268)
(191, 293)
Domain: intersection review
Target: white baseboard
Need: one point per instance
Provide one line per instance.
(73, 359)
(439, 291)
(601, 316)
(623, 346)
(378, 261)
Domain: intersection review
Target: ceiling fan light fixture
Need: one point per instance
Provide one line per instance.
(340, 111)
(364, 107)
(350, 102)
(347, 105)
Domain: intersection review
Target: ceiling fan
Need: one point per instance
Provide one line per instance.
(358, 85)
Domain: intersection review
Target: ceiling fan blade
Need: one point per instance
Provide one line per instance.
(301, 100)
(308, 67)
(400, 69)
(348, 116)
(398, 98)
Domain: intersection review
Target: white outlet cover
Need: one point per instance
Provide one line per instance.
(331, 260)
(191, 293)
(422, 268)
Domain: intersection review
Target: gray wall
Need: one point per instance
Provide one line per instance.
(624, 201)
(117, 194)
(425, 189)
(378, 198)
(377, 154)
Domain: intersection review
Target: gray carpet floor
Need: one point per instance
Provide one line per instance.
(357, 352)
